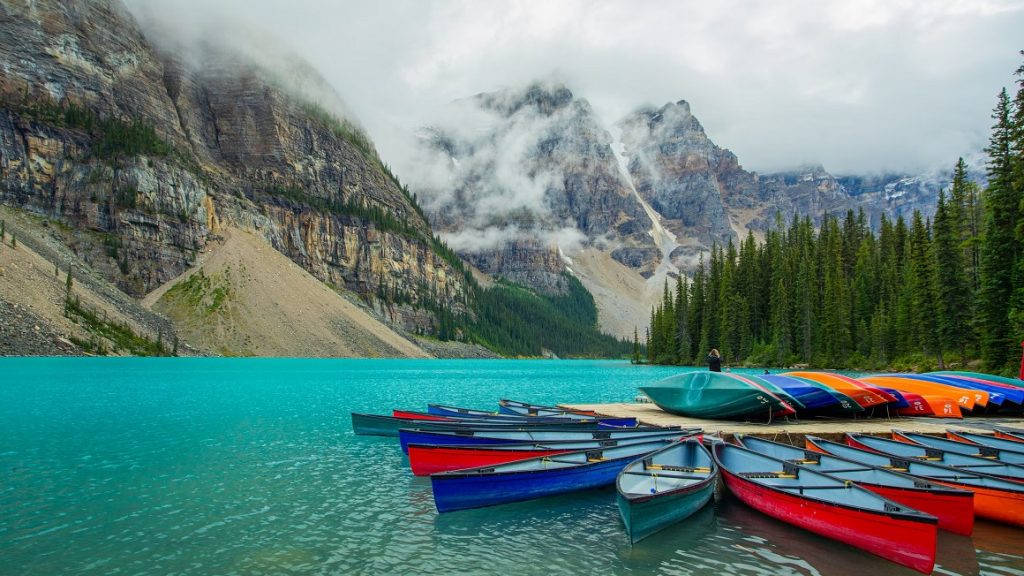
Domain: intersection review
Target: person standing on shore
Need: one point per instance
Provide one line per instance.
(714, 360)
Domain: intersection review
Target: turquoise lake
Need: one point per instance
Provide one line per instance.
(250, 466)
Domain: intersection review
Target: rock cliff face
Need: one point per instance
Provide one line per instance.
(534, 174)
(145, 155)
(683, 175)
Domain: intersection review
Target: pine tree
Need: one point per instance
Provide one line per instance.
(1016, 149)
(997, 245)
(636, 347)
(684, 341)
(953, 299)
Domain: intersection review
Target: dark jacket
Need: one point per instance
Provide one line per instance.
(714, 363)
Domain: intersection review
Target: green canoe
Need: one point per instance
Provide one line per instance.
(715, 395)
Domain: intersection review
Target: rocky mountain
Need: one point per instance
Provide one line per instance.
(144, 156)
(532, 172)
(540, 172)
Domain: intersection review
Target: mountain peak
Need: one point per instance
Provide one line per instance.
(543, 97)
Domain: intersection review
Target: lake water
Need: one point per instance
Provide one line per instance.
(246, 466)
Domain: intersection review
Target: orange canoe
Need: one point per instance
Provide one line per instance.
(966, 399)
(930, 405)
(861, 394)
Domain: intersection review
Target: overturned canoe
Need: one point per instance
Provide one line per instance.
(815, 397)
(665, 487)
(829, 506)
(966, 399)
(534, 478)
(865, 395)
(715, 395)
(954, 507)
(998, 393)
(994, 498)
(427, 459)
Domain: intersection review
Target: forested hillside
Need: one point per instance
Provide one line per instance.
(916, 294)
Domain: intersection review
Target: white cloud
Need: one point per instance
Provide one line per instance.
(854, 85)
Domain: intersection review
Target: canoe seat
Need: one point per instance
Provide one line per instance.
(766, 475)
(599, 459)
(676, 468)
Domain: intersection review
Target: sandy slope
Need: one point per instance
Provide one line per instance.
(272, 307)
(32, 291)
(623, 297)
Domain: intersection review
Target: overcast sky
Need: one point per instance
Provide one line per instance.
(858, 85)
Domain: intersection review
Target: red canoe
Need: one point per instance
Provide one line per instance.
(829, 507)
(994, 498)
(952, 506)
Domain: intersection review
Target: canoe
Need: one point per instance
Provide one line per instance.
(1014, 382)
(774, 389)
(489, 419)
(665, 487)
(899, 398)
(467, 436)
(930, 405)
(994, 498)
(986, 440)
(929, 454)
(970, 449)
(1009, 433)
(379, 425)
(838, 402)
(534, 478)
(456, 412)
(506, 406)
(966, 399)
(829, 506)
(940, 406)
(813, 395)
(954, 507)
(427, 459)
(998, 393)
(865, 395)
(715, 395)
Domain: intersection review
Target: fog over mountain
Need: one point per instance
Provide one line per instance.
(859, 87)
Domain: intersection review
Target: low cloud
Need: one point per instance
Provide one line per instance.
(858, 86)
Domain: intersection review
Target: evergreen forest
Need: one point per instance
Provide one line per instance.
(907, 294)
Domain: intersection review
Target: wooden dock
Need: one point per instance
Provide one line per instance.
(792, 430)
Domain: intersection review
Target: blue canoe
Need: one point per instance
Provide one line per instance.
(813, 395)
(665, 487)
(534, 478)
(380, 425)
(517, 408)
(469, 413)
(468, 436)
